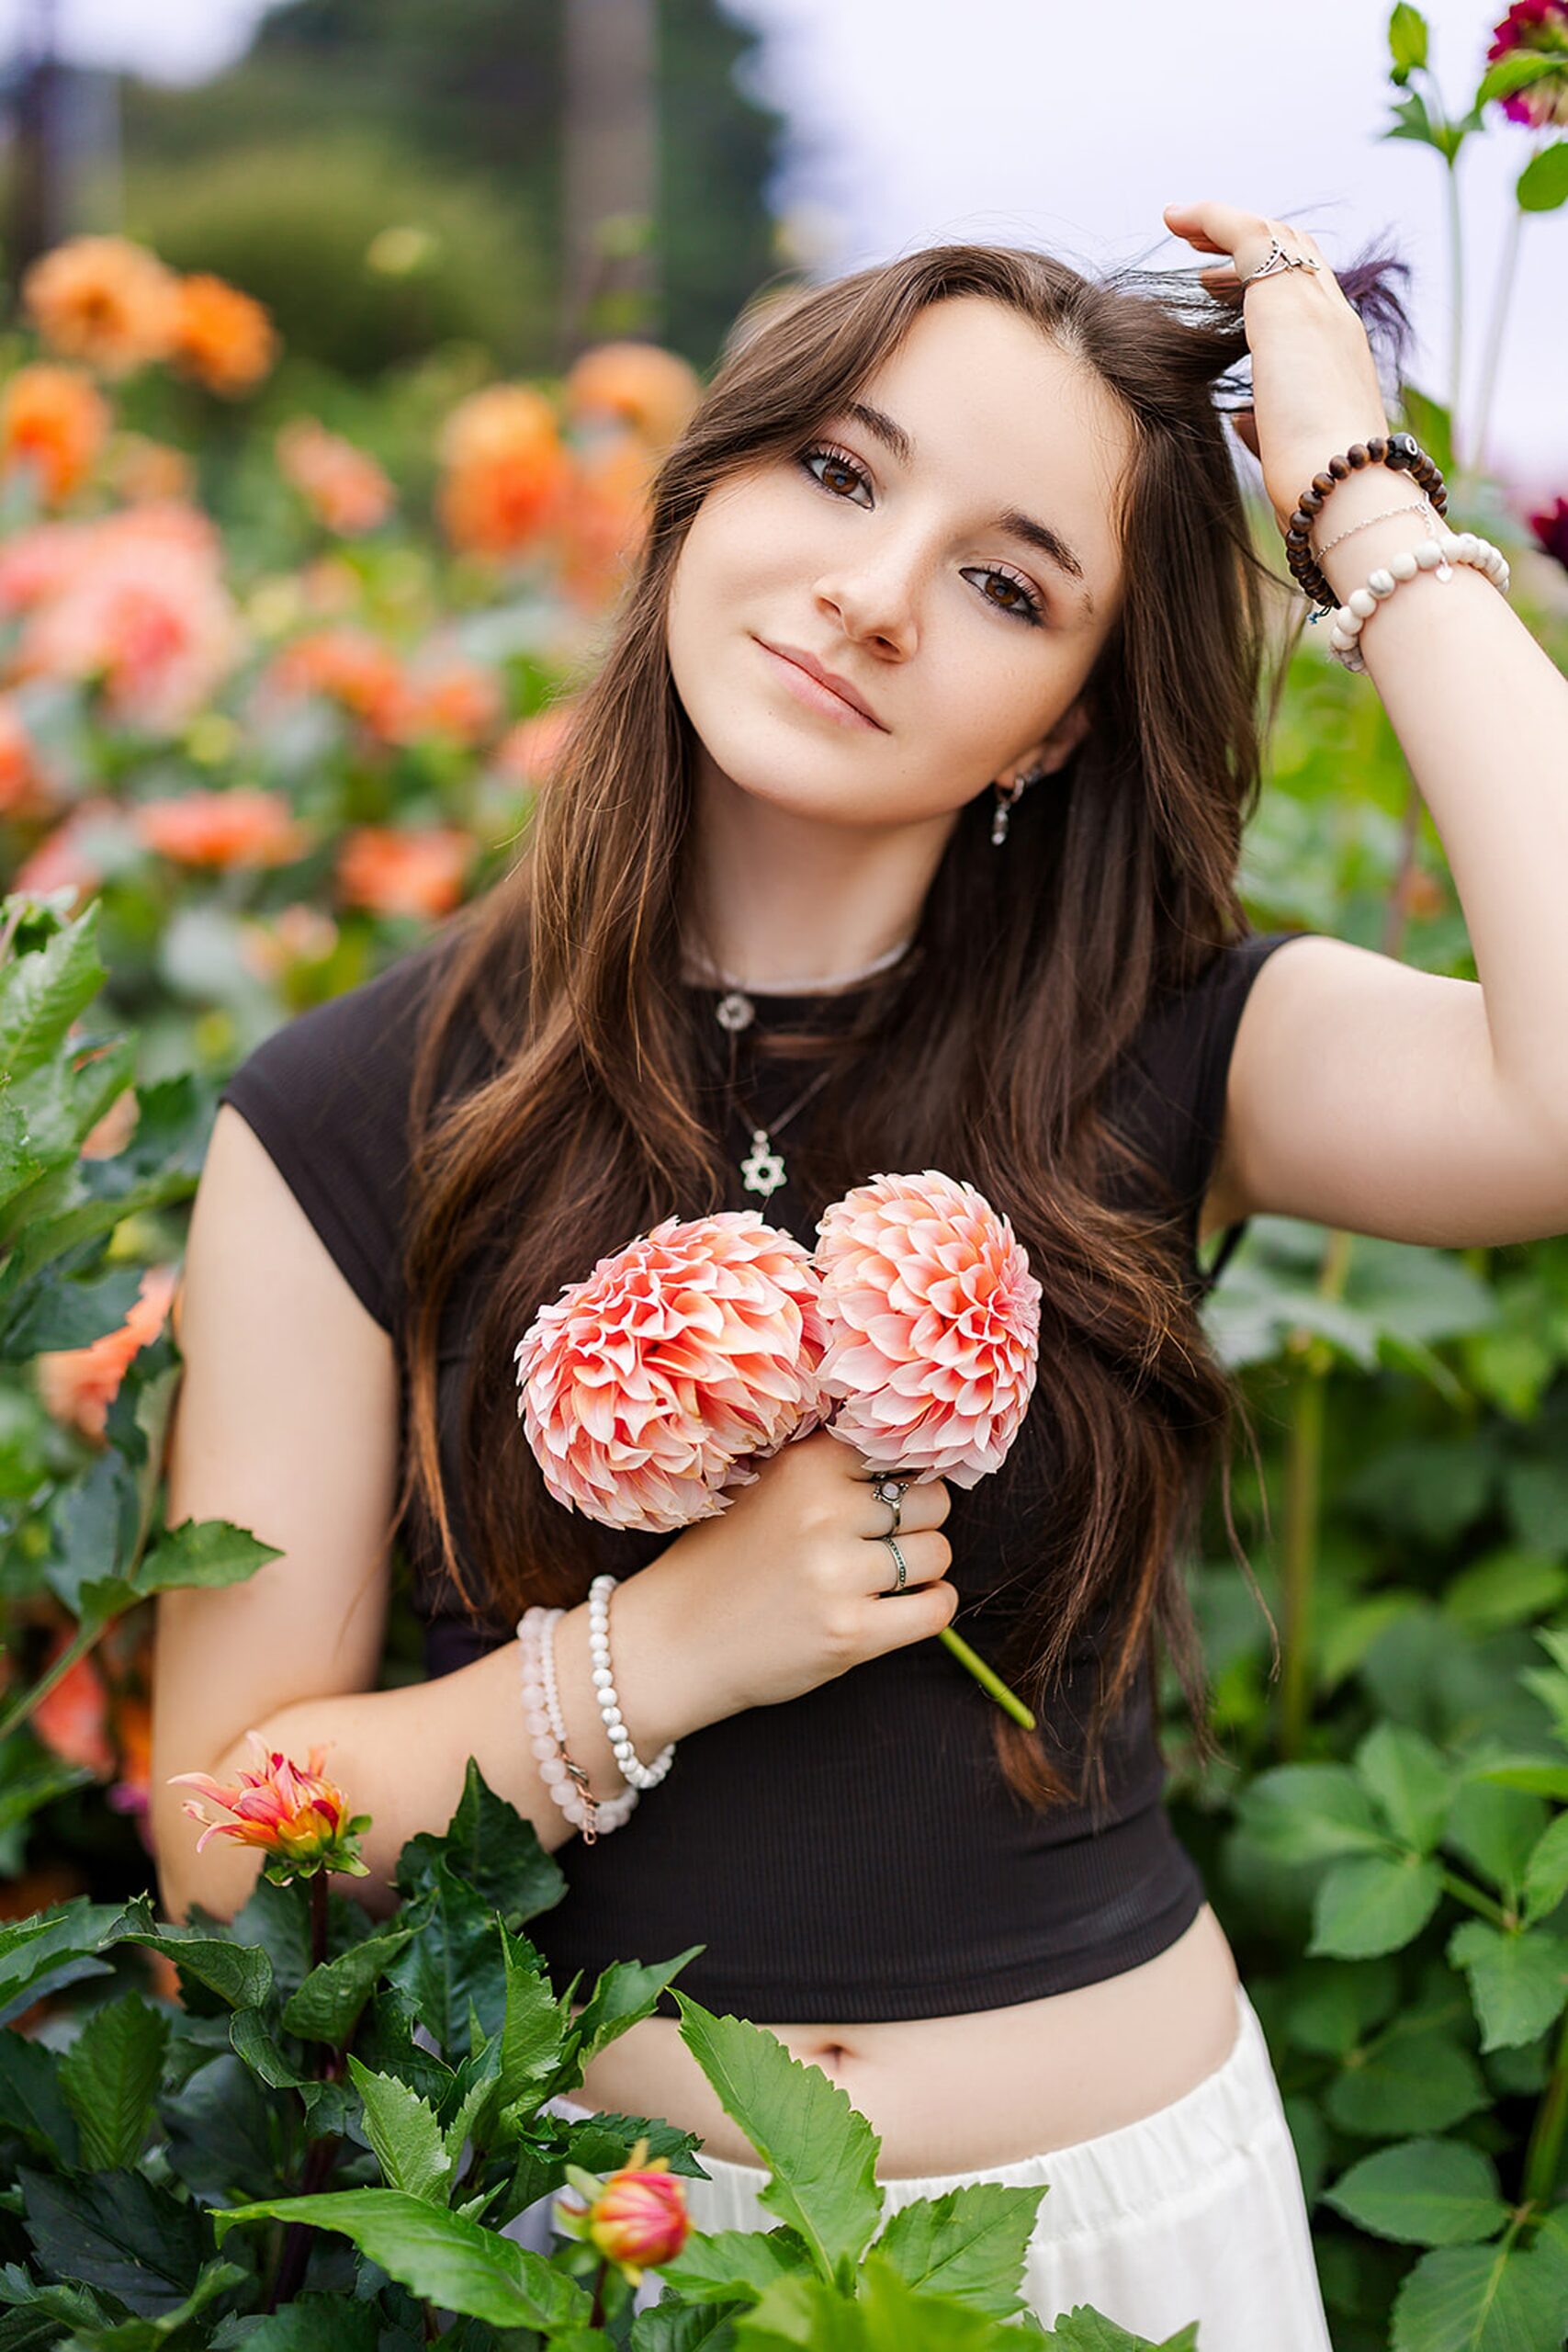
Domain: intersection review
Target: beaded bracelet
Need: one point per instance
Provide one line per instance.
(640, 1775)
(566, 1779)
(1401, 452)
(1433, 555)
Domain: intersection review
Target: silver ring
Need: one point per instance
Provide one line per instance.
(1278, 259)
(890, 1490)
(903, 1571)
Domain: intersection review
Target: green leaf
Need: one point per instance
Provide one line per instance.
(1509, 1586)
(733, 2266)
(1409, 1781)
(493, 1846)
(455, 2262)
(624, 1994)
(32, 2101)
(1478, 2299)
(970, 2242)
(238, 1975)
(55, 1314)
(821, 2152)
(1497, 1829)
(405, 2135)
(1414, 2078)
(205, 1552)
(55, 1947)
(1546, 1871)
(1338, 2001)
(109, 2076)
(1423, 2192)
(322, 2323)
(1370, 1904)
(327, 2005)
(1542, 185)
(454, 1958)
(1310, 1813)
(1519, 1982)
(41, 994)
(535, 2029)
(120, 2232)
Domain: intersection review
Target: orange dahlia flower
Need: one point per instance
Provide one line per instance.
(404, 870)
(348, 666)
(103, 299)
(223, 338)
(293, 1813)
(346, 490)
(78, 1384)
(71, 1719)
(506, 470)
(603, 522)
(242, 827)
(53, 420)
(449, 695)
(642, 385)
(528, 749)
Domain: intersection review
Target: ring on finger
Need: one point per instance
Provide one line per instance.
(890, 1490)
(903, 1572)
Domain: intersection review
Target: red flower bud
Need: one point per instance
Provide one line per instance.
(639, 2219)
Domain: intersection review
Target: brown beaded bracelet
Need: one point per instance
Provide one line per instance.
(1399, 451)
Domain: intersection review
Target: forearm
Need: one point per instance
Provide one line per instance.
(402, 1755)
(1482, 716)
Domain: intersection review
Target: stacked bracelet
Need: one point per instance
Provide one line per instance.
(640, 1775)
(1401, 452)
(565, 1779)
(1435, 555)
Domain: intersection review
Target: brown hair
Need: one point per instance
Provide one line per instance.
(1117, 886)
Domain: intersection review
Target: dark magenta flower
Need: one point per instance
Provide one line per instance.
(1550, 528)
(1540, 25)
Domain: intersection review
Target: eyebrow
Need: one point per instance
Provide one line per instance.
(1012, 519)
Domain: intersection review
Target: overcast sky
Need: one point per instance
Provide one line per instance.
(1034, 120)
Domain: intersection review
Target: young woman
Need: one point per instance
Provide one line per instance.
(897, 829)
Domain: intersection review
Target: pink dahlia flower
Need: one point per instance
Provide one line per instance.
(1539, 27)
(645, 1388)
(292, 1812)
(932, 1321)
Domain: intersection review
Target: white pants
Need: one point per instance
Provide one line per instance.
(1195, 2212)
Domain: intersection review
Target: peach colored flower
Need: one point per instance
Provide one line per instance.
(506, 470)
(223, 338)
(67, 857)
(294, 1813)
(604, 520)
(24, 791)
(53, 420)
(932, 1321)
(298, 933)
(148, 472)
(637, 2218)
(242, 827)
(71, 1719)
(642, 385)
(345, 489)
(446, 694)
(78, 1384)
(348, 666)
(140, 608)
(644, 1388)
(529, 750)
(404, 869)
(103, 299)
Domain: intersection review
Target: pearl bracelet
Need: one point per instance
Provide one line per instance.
(640, 1775)
(566, 1781)
(1435, 555)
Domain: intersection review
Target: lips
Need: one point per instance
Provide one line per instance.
(824, 677)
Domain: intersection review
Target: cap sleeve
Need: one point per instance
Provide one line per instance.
(326, 1095)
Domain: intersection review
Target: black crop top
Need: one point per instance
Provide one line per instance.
(852, 1854)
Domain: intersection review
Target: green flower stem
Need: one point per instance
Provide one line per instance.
(85, 1637)
(1463, 1891)
(983, 1675)
(321, 2156)
(1544, 2155)
(1502, 297)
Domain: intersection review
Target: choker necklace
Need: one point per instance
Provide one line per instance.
(708, 973)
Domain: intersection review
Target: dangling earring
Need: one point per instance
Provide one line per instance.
(1007, 798)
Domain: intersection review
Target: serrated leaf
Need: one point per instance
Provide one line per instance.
(1478, 2299)
(1413, 2078)
(821, 2152)
(203, 1552)
(109, 2076)
(31, 2099)
(1370, 1905)
(455, 2262)
(969, 2242)
(489, 1843)
(1495, 1829)
(1310, 1813)
(721, 2265)
(238, 1975)
(404, 2135)
(120, 2232)
(1519, 1982)
(327, 2005)
(1546, 1871)
(1408, 1779)
(41, 994)
(1423, 2192)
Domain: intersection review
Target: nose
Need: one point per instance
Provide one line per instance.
(875, 603)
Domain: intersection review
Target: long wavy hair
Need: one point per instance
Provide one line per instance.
(984, 1050)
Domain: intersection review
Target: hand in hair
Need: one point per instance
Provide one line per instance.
(1314, 379)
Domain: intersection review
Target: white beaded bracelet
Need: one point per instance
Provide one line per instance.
(565, 1780)
(1433, 555)
(640, 1775)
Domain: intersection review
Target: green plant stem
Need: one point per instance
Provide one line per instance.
(321, 2156)
(983, 1676)
(1462, 1892)
(82, 1641)
(1475, 453)
(1544, 2155)
(596, 2316)
(1456, 307)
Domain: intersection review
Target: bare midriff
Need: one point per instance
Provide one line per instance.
(989, 2087)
